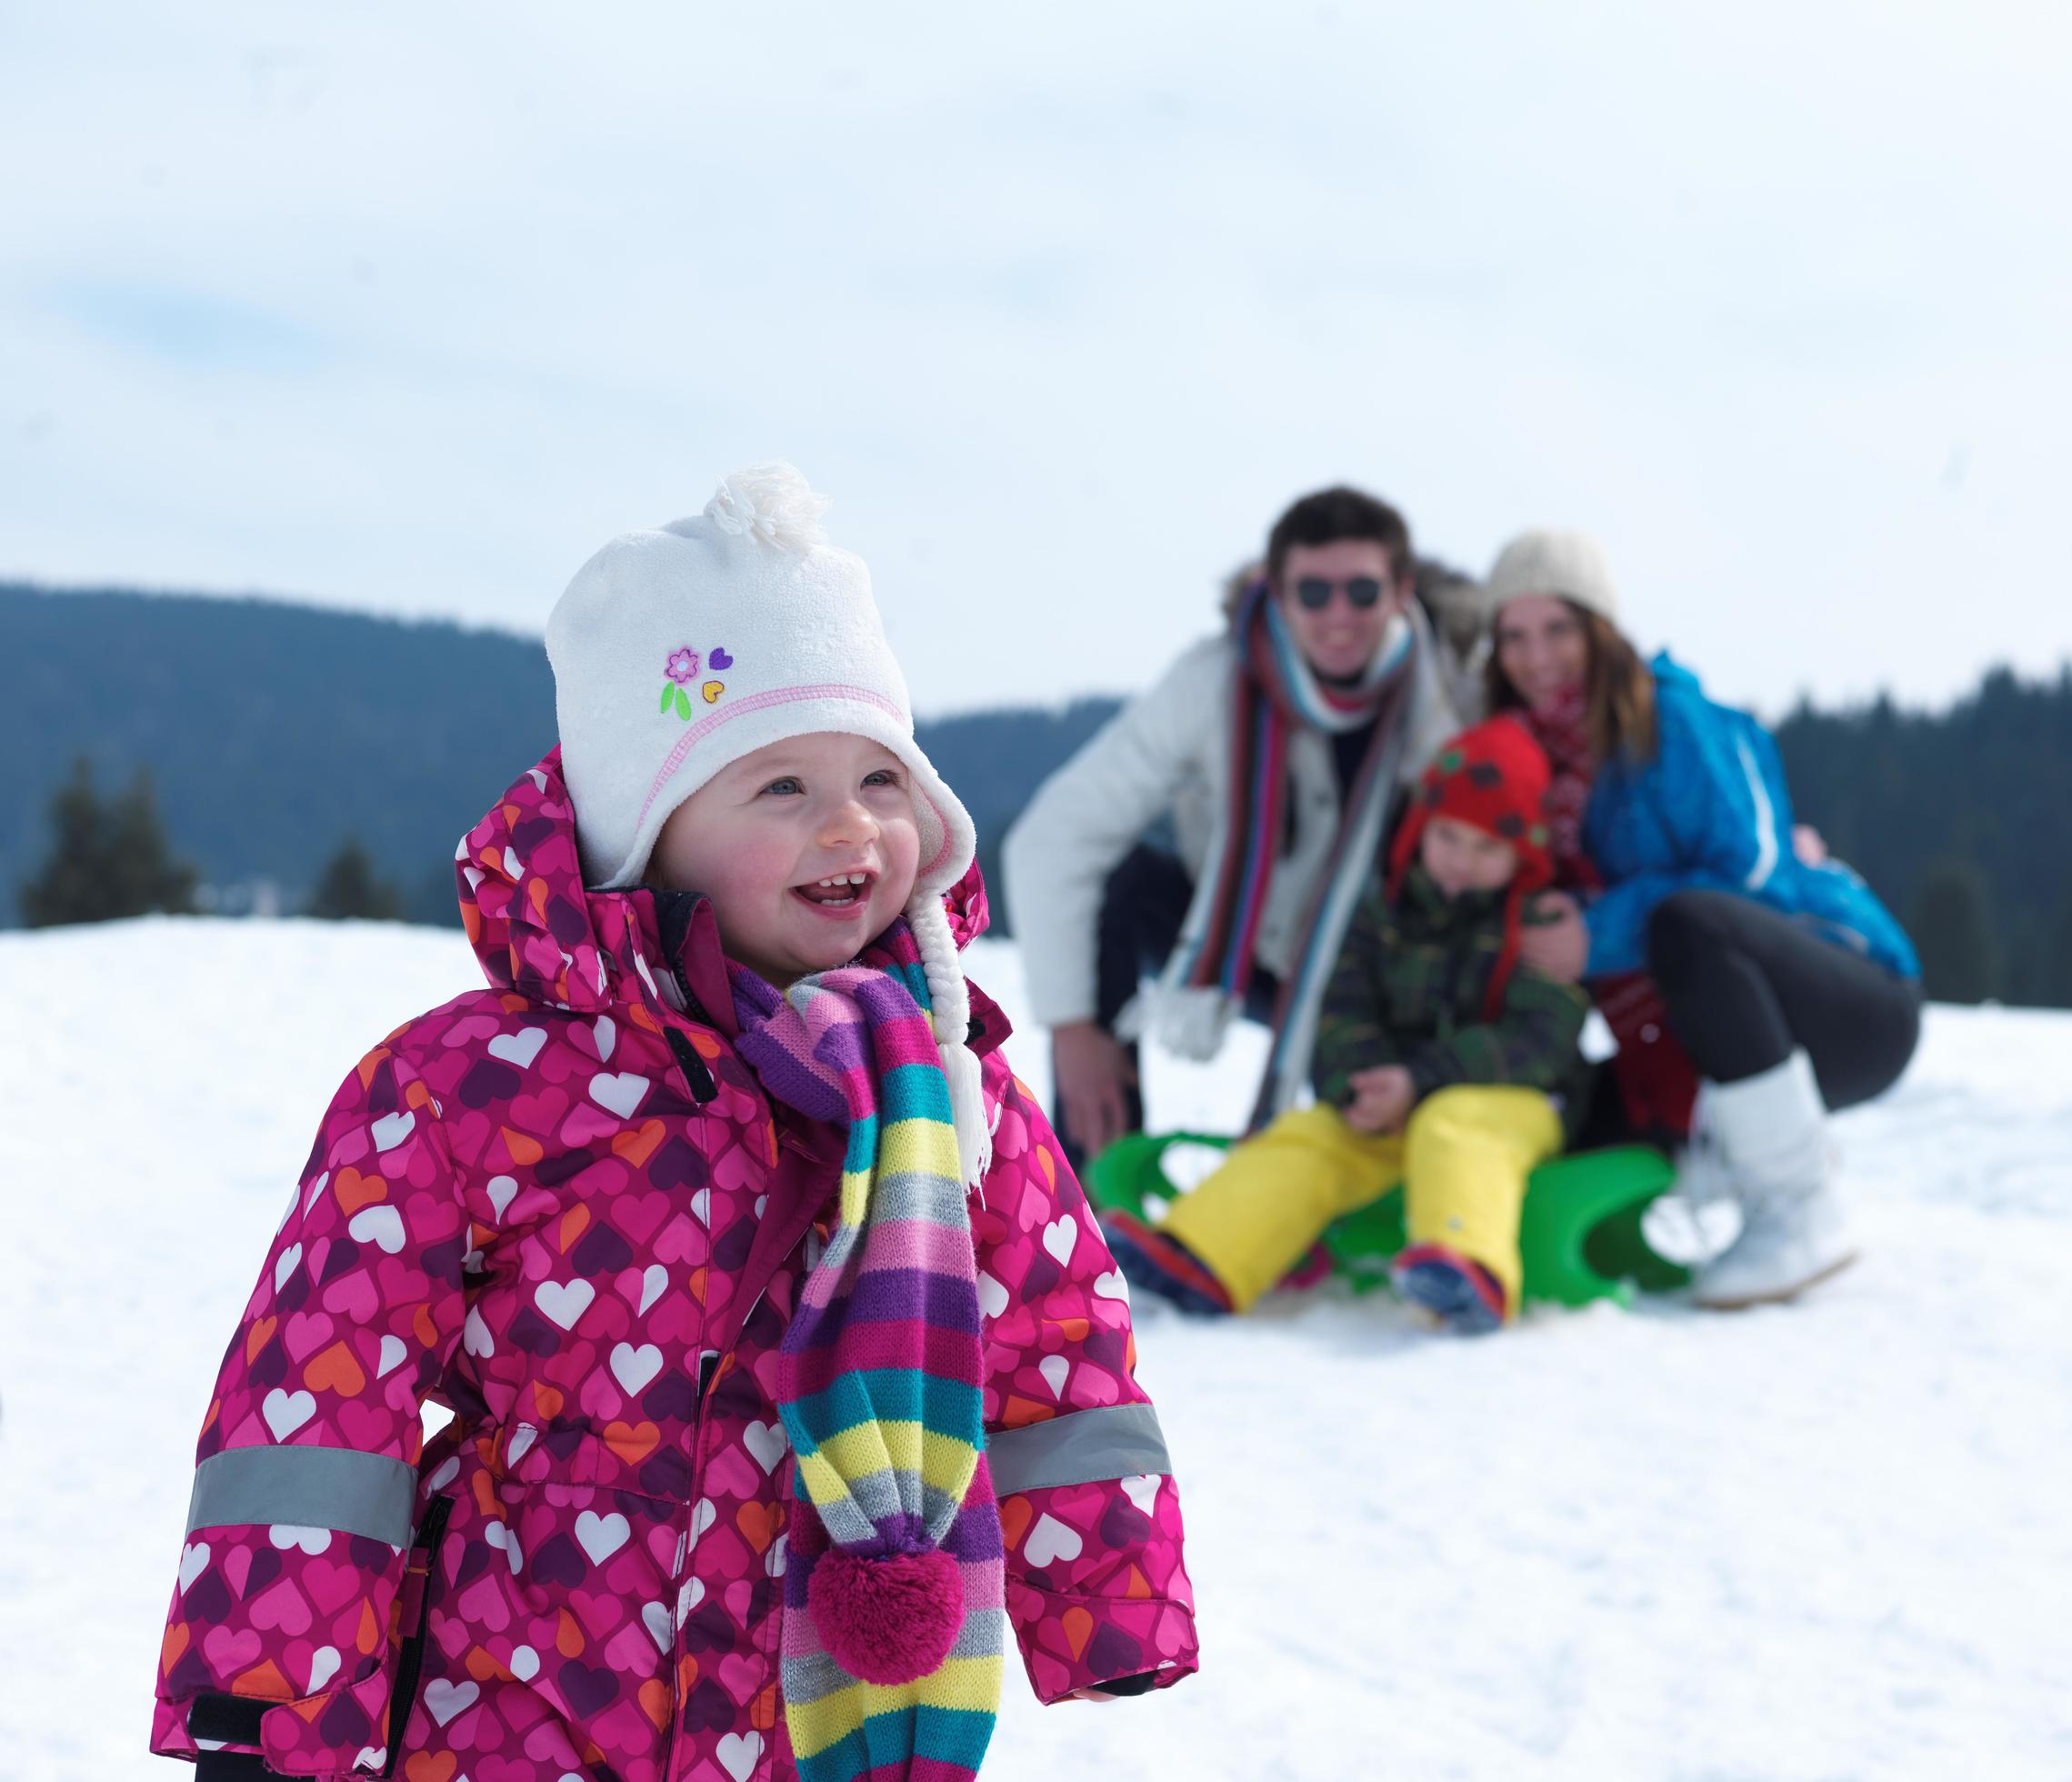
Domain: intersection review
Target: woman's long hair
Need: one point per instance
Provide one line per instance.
(1618, 691)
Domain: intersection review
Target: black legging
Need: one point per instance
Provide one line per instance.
(1746, 986)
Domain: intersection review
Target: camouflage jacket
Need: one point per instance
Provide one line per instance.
(1409, 988)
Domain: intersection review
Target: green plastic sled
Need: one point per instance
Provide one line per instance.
(1579, 1234)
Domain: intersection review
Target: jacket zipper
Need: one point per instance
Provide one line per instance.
(410, 1665)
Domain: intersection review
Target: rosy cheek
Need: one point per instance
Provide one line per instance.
(753, 872)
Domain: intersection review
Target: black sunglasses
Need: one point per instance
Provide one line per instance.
(1315, 591)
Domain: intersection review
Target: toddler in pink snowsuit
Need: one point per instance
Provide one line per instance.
(765, 1431)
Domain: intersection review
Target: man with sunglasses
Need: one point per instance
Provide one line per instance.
(1276, 750)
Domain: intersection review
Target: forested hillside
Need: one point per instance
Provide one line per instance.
(276, 732)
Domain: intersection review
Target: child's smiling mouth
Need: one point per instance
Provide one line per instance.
(838, 895)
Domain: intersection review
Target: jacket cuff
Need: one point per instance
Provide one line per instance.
(1097, 1585)
(1073, 1642)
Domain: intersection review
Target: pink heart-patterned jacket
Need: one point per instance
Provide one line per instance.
(562, 1207)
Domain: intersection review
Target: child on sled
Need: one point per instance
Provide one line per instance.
(1440, 1062)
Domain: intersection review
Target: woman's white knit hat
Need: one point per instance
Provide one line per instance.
(1549, 561)
(677, 652)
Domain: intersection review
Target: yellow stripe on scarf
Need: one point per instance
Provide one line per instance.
(942, 1461)
(968, 1684)
(923, 1147)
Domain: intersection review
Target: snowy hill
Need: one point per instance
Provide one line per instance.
(1821, 1542)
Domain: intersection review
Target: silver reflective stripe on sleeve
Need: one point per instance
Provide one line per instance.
(1081, 1447)
(306, 1487)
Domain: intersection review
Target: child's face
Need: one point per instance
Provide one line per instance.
(1461, 858)
(760, 838)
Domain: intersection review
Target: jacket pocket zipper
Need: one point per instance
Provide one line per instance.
(410, 1664)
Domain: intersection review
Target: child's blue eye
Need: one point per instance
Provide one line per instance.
(882, 776)
(789, 786)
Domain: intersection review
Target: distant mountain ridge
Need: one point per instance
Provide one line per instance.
(274, 731)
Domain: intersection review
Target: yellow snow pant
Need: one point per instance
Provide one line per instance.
(1463, 1159)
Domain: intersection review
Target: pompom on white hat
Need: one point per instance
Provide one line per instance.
(678, 651)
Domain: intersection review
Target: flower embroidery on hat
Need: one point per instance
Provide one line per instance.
(682, 670)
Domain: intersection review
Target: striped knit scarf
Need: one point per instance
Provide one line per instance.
(1206, 983)
(894, 1582)
(1563, 731)
(1656, 1080)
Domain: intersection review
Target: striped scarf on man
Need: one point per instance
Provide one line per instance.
(1206, 983)
(893, 1625)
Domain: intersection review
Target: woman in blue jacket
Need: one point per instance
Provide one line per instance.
(1791, 988)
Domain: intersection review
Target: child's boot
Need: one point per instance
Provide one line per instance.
(1770, 1131)
(1158, 1264)
(1458, 1291)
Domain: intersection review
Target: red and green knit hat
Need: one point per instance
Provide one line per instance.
(1495, 778)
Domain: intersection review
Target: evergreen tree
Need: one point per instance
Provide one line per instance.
(108, 860)
(348, 890)
(1959, 961)
(2057, 983)
(141, 862)
(71, 888)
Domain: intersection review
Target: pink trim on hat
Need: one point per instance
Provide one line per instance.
(759, 701)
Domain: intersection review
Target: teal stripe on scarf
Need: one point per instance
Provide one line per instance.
(939, 1735)
(899, 1395)
(915, 1092)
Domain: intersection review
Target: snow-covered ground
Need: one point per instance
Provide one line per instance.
(1828, 1541)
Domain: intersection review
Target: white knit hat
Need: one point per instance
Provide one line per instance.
(1547, 561)
(677, 652)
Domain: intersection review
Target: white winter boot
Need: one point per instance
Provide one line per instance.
(1770, 1132)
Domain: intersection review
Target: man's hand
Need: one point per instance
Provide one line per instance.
(1558, 944)
(1093, 1073)
(1810, 845)
(1382, 1099)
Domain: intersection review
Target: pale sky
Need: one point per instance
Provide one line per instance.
(408, 308)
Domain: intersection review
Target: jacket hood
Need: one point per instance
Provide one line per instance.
(538, 931)
(522, 899)
(1672, 677)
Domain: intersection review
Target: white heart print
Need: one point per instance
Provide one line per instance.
(767, 1443)
(380, 1225)
(1061, 1236)
(737, 1753)
(449, 1699)
(633, 1368)
(563, 1303)
(653, 1279)
(1141, 1490)
(286, 1412)
(601, 1536)
(519, 1048)
(1051, 1540)
(622, 1091)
